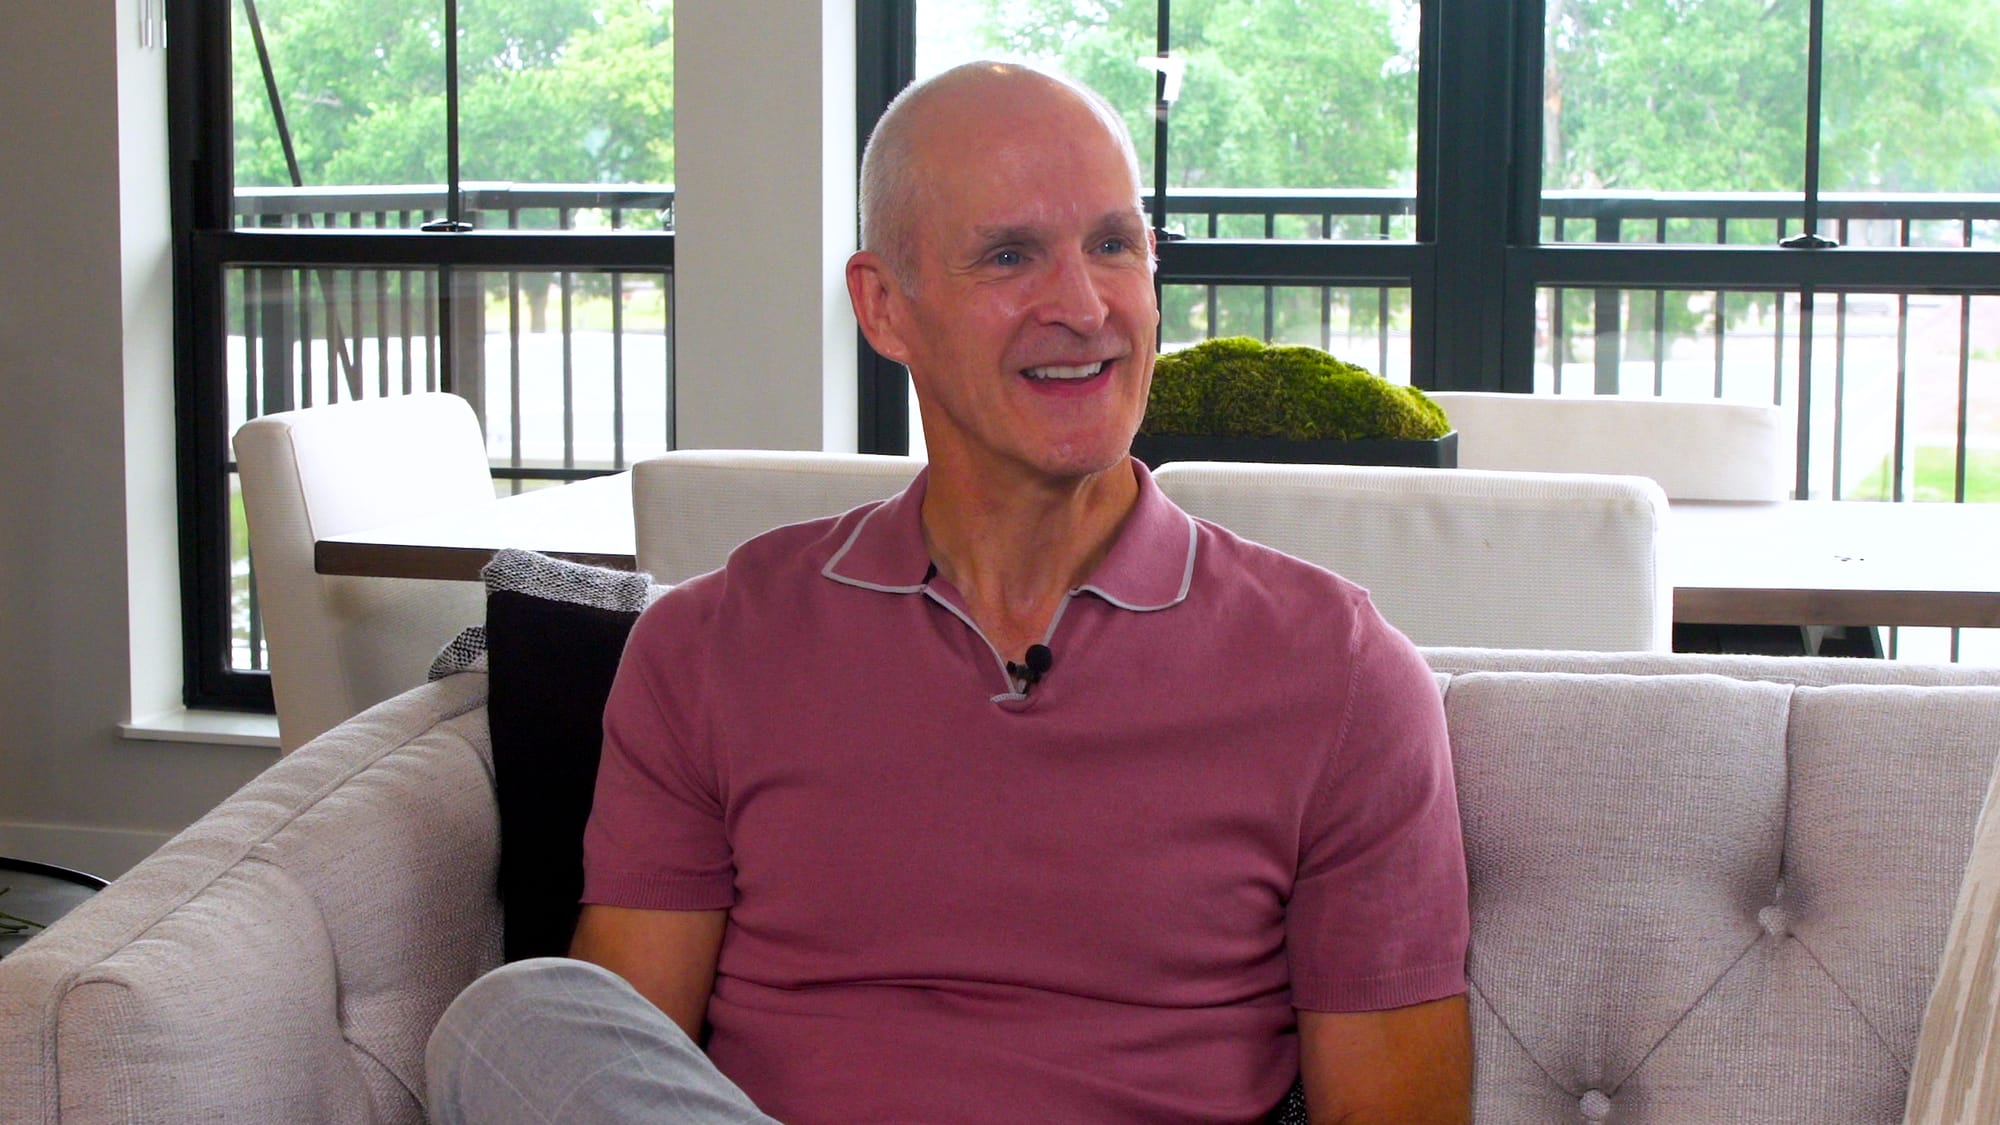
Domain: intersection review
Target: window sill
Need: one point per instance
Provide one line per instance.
(210, 728)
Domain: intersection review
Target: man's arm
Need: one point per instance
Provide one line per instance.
(1403, 1066)
(668, 955)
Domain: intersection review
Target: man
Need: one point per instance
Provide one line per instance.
(1021, 796)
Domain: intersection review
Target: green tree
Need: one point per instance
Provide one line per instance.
(551, 91)
(1913, 96)
(1710, 95)
(1277, 93)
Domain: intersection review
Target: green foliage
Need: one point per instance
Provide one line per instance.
(1665, 95)
(1278, 93)
(1239, 387)
(1913, 101)
(1710, 95)
(1642, 94)
(1675, 96)
(551, 91)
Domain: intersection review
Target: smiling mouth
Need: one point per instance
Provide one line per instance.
(1054, 373)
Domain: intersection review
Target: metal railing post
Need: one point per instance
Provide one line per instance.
(1605, 316)
(465, 329)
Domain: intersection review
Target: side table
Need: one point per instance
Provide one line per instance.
(42, 892)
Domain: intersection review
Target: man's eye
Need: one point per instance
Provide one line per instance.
(1007, 257)
(1112, 246)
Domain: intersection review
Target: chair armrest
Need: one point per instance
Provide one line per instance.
(284, 958)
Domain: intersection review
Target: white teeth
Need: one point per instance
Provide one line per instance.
(1084, 372)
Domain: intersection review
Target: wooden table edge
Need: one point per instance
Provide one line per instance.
(1711, 605)
(454, 564)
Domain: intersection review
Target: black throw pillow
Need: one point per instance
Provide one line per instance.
(553, 636)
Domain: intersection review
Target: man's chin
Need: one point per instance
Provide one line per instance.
(1085, 464)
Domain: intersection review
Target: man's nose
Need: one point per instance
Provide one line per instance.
(1072, 295)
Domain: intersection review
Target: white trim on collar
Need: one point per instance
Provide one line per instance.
(829, 570)
(1180, 595)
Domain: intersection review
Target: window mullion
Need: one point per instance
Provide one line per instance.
(1815, 56)
(454, 199)
(1161, 110)
(1482, 140)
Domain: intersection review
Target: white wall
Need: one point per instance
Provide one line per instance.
(87, 542)
(764, 197)
(89, 592)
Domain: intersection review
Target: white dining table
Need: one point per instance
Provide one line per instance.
(587, 521)
(1790, 562)
(1824, 562)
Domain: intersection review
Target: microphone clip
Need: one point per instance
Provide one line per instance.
(1036, 663)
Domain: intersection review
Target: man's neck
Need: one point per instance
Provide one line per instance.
(1014, 552)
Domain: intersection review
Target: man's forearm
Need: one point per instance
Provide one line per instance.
(668, 955)
(1404, 1066)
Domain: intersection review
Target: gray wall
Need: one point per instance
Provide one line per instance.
(88, 557)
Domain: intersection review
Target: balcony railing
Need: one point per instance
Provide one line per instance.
(328, 335)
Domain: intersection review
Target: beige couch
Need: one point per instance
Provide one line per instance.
(1704, 890)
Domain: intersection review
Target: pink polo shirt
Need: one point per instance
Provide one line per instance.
(1230, 796)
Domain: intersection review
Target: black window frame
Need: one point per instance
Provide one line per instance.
(206, 245)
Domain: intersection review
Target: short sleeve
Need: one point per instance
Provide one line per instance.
(656, 838)
(1378, 916)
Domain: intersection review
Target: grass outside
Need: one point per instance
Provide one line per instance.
(1935, 477)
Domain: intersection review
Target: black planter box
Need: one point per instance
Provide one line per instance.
(1434, 453)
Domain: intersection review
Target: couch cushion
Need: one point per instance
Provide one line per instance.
(1621, 836)
(1815, 671)
(1706, 899)
(1886, 787)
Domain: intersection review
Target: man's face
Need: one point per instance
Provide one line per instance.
(1030, 327)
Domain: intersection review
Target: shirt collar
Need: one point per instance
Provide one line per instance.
(1149, 567)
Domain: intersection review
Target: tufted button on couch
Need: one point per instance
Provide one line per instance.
(1704, 889)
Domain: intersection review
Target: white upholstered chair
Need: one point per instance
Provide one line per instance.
(692, 507)
(1461, 557)
(1696, 450)
(340, 644)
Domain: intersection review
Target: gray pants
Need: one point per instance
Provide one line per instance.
(555, 1040)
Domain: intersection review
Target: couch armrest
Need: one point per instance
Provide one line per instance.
(285, 957)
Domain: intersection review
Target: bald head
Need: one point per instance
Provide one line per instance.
(893, 175)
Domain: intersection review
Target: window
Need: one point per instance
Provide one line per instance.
(1578, 197)
(473, 196)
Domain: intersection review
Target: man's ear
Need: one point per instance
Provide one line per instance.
(876, 296)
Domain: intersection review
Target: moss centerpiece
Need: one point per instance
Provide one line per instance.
(1239, 399)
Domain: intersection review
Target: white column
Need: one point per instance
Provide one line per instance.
(147, 334)
(764, 343)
